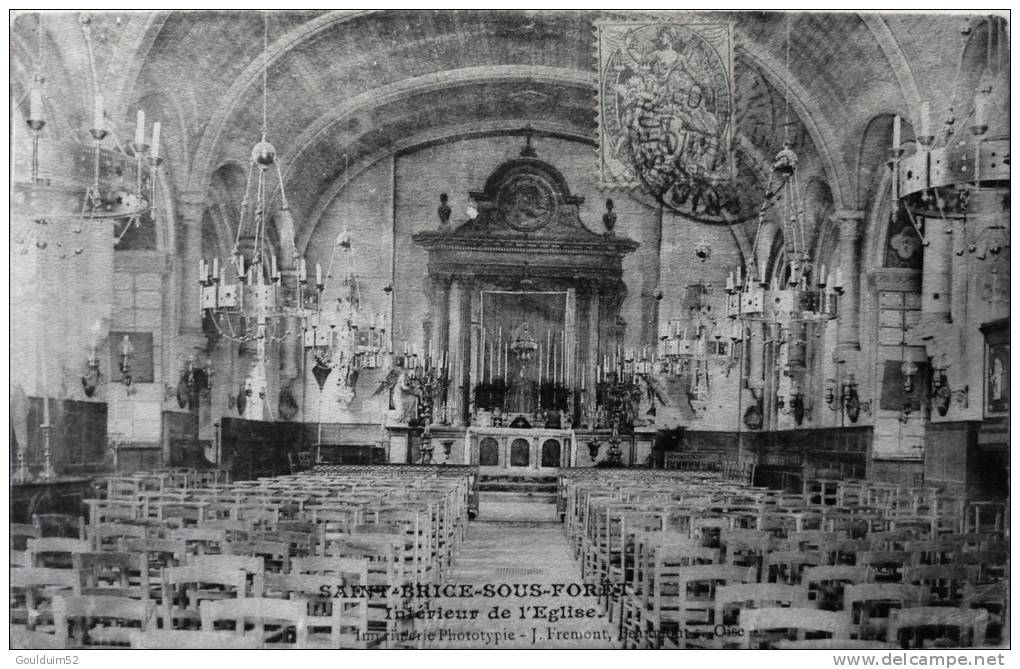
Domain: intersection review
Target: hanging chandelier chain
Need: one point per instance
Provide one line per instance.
(265, 73)
(786, 123)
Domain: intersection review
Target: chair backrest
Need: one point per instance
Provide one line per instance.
(258, 611)
(21, 533)
(73, 619)
(909, 627)
(342, 609)
(108, 536)
(32, 592)
(108, 573)
(799, 621)
(54, 551)
(868, 605)
(185, 588)
(754, 596)
(60, 525)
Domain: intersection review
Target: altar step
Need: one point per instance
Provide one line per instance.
(517, 499)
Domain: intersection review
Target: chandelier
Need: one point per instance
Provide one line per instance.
(250, 297)
(950, 171)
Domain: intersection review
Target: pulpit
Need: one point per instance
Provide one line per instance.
(524, 301)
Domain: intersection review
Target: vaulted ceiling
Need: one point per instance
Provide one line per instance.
(367, 84)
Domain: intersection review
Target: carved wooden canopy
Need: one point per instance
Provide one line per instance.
(528, 230)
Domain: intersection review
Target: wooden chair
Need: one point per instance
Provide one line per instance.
(868, 606)
(937, 627)
(116, 574)
(59, 525)
(945, 583)
(994, 598)
(683, 600)
(788, 566)
(253, 567)
(98, 621)
(886, 566)
(334, 620)
(54, 552)
(763, 628)
(109, 536)
(185, 588)
(192, 640)
(825, 584)
(730, 600)
(274, 554)
(32, 593)
(201, 540)
(277, 623)
(21, 533)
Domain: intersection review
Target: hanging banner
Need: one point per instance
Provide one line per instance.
(666, 120)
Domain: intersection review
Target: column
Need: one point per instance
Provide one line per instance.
(474, 342)
(850, 227)
(936, 273)
(192, 207)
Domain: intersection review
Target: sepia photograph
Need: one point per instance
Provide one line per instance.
(510, 329)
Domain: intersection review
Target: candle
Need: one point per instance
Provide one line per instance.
(272, 265)
(35, 105)
(926, 118)
(140, 127)
(821, 274)
(980, 110)
(98, 121)
(318, 274)
(540, 366)
(156, 127)
(215, 266)
(201, 269)
(839, 277)
(896, 132)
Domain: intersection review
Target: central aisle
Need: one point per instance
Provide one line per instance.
(505, 554)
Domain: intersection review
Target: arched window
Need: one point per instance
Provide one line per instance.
(488, 452)
(520, 453)
(551, 453)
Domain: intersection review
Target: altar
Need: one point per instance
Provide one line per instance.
(505, 450)
(524, 316)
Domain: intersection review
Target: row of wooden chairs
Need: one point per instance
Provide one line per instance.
(676, 544)
(401, 528)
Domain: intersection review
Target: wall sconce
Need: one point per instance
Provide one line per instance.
(126, 349)
(909, 370)
(792, 404)
(90, 382)
(194, 380)
(830, 394)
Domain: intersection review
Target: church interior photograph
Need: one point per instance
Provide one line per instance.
(509, 329)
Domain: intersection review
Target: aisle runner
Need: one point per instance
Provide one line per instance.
(533, 565)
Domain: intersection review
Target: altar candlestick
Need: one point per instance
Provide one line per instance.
(499, 349)
(140, 127)
(155, 139)
(506, 360)
(540, 368)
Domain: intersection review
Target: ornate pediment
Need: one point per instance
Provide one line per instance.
(526, 207)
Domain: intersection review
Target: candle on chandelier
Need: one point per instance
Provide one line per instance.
(215, 266)
(140, 128)
(926, 118)
(272, 265)
(156, 127)
(896, 131)
(318, 274)
(202, 275)
(980, 110)
(97, 122)
(35, 104)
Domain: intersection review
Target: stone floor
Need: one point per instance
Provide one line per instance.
(517, 551)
